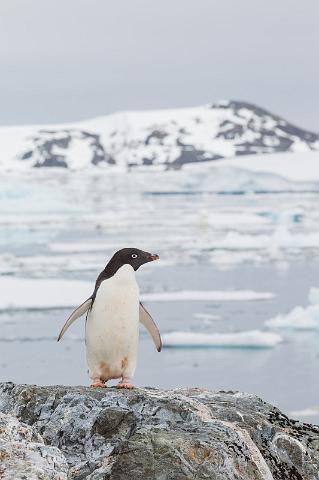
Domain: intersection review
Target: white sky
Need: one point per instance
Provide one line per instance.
(74, 59)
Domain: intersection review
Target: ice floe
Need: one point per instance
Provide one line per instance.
(281, 238)
(30, 293)
(299, 318)
(177, 211)
(207, 295)
(280, 172)
(246, 339)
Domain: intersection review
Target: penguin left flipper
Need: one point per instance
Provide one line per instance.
(145, 319)
(150, 325)
(78, 312)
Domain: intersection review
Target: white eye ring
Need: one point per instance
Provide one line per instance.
(134, 255)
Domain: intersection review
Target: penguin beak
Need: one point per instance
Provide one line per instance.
(152, 256)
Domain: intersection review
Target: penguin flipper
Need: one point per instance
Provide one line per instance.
(78, 312)
(151, 327)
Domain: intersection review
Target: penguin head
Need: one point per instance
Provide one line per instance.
(133, 257)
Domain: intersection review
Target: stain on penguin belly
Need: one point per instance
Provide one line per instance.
(112, 328)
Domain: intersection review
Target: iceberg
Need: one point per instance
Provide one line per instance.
(299, 318)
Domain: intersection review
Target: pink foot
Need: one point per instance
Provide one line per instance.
(97, 383)
(125, 384)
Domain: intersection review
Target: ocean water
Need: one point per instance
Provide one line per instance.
(66, 226)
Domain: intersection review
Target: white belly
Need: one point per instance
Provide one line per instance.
(112, 327)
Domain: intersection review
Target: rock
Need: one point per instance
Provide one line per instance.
(154, 434)
(24, 455)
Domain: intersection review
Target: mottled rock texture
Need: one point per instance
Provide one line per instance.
(150, 434)
(23, 453)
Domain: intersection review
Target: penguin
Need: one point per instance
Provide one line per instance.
(113, 313)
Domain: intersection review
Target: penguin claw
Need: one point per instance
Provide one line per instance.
(126, 385)
(98, 385)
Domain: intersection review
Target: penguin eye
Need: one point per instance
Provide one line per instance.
(134, 255)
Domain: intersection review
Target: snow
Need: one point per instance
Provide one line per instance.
(253, 173)
(30, 293)
(261, 172)
(285, 165)
(208, 295)
(246, 339)
(128, 137)
(299, 318)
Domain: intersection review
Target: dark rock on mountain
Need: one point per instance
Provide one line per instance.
(162, 138)
(47, 142)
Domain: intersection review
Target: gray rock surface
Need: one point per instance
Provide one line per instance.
(151, 434)
(24, 455)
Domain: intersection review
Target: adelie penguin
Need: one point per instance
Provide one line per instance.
(112, 323)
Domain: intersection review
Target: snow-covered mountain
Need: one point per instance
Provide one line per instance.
(160, 138)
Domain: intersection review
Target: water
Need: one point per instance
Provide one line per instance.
(67, 225)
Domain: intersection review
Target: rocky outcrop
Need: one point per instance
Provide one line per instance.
(76, 433)
(23, 453)
(51, 148)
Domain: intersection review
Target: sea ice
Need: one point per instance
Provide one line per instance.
(246, 339)
(299, 318)
(30, 293)
(284, 165)
(281, 238)
(207, 295)
(80, 247)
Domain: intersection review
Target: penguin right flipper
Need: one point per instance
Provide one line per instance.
(78, 312)
(150, 325)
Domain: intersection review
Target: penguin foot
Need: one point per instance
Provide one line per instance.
(97, 383)
(125, 384)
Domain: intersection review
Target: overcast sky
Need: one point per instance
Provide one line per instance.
(66, 60)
